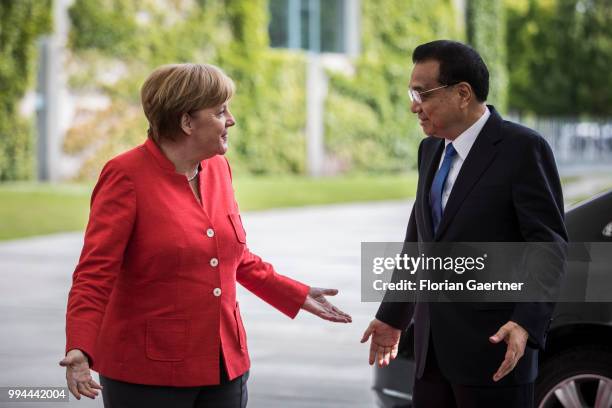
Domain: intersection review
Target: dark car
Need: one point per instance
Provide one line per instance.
(576, 367)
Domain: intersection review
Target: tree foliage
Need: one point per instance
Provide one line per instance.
(560, 54)
(21, 22)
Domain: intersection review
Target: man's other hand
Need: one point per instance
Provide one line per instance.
(516, 339)
(385, 340)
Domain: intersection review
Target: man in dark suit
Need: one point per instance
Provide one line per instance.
(481, 179)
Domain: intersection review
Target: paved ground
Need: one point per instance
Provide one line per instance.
(295, 364)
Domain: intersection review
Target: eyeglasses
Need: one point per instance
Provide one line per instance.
(415, 96)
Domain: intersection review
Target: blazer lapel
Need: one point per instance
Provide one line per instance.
(432, 159)
(479, 158)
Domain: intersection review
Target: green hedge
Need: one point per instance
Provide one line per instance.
(21, 22)
(269, 103)
(368, 123)
(486, 32)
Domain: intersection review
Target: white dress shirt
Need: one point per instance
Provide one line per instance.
(462, 144)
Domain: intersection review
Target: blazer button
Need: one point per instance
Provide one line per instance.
(217, 292)
(214, 262)
(210, 233)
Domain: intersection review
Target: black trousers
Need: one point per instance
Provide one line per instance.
(433, 390)
(228, 394)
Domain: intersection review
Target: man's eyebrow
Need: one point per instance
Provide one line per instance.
(417, 88)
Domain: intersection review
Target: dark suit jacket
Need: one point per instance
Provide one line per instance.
(507, 190)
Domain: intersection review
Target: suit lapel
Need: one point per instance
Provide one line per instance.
(432, 159)
(479, 158)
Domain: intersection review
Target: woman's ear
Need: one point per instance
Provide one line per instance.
(186, 123)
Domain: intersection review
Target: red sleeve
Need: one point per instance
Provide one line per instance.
(259, 277)
(111, 218)
(282, 292)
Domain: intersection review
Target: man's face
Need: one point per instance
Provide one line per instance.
(439, 109)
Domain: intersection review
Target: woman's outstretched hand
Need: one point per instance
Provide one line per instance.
(78, 376)
(317, 304)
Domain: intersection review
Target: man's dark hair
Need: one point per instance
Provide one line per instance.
(458, 63)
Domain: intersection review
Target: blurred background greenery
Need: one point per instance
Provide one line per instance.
(548, 58)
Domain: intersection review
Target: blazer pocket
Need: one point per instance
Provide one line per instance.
(166, 339)
(240, 328)
(238, 228)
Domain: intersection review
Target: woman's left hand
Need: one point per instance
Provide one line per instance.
(317, 304)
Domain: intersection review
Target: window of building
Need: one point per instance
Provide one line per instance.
(314, 25)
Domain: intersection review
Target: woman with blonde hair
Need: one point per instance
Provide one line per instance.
(153, 305)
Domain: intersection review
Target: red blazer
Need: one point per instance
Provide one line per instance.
(153, 297)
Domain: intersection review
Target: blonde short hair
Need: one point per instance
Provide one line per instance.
(173, 90)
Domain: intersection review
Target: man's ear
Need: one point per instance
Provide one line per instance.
(465, 94)
(186, 123)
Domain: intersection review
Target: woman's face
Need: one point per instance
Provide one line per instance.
(208, 129)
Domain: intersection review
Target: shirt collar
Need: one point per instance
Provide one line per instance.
(463, 143)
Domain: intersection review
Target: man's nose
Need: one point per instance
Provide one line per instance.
(415, 107)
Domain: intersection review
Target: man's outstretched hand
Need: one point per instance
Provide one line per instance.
(385, 340)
